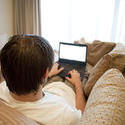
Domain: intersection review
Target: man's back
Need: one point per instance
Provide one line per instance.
(26, 63)
(50, 110)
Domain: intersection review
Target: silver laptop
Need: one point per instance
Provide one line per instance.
(72, 56)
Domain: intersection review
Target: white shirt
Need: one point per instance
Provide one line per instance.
(57, 107)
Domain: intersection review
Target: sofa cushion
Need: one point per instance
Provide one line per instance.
(89, 68)
(9, 116)
(97, 71)
(97, 50)
(114, 59)
(106, 103)
(118, 57)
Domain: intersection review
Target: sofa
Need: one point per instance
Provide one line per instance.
(104, 84)
(104, 87)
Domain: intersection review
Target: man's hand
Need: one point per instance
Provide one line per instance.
(76, 81)
(75, 78)
(55, 70)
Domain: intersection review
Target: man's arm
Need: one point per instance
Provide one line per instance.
(80, 98)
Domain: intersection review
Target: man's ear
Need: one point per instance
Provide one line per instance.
(46, 73)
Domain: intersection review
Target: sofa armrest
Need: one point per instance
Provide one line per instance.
(9, 116)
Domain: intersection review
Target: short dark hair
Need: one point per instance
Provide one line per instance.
(24, 61)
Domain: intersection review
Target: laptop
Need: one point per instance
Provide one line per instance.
(72, 56)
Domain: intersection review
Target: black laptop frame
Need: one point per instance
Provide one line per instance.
(73, 61)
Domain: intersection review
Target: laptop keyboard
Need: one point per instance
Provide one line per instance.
(69, 67)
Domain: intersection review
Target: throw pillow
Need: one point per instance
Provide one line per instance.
(97, 71)
(97, 50)
(106, 103)
(118, 57)
(114, 59)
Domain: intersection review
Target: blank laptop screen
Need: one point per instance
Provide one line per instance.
(72, 52)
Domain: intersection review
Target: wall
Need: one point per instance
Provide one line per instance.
(6, 17)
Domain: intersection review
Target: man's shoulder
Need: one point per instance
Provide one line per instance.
(3, 87)
(4, 91)
(3, 83)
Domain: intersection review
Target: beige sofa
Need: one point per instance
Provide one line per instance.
(104, 85)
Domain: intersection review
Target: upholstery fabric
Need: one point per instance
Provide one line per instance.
(106, 103)
(114, 59)
(118, 57)
(9, 116)
(89, 68)
(97, 50)
(97, 71)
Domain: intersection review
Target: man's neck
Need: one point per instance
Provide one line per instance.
(31, 97)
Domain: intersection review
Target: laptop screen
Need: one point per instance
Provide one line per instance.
(73, 52)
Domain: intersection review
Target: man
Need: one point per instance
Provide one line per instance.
(26, 62)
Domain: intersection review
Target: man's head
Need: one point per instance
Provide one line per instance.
(24, 62)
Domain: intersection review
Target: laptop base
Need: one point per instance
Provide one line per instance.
(69, 67)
